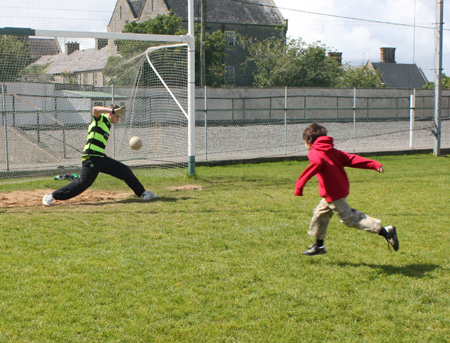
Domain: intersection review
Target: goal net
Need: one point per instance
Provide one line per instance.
(50, 82)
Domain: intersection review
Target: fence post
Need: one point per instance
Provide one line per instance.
(13, 104)
(38, 126)
(367, 106)
(270, 108)
(337, 107)
(304, 107)
(396, 107)
(232, 111)
(206, 126)
(412, 114)
(112, 126)
(285, 120)
(4, 126)
(354, 117)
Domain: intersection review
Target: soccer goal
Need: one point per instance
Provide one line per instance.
(50, 80)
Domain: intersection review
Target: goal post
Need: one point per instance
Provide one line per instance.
(47, 96)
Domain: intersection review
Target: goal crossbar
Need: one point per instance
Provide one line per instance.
(19, 31)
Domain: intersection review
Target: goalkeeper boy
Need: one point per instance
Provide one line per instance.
(327, 164)
(95, 161)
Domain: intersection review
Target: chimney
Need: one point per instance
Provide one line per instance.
(387, 55)
(336, 55)
(72, 47)
(100, 43)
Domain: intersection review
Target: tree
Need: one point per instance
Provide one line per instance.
(292, 63)
(170, 24)
(15, 55)
(69, 77)
(361, 77)
(162, 24)
(215, 44)
(445, 83)
(36, 70)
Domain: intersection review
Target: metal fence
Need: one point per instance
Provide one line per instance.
(233, 124)
(242, 125)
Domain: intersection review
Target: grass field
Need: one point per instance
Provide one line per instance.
(224, 263)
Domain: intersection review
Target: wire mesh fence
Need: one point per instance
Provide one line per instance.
(230, 125)
(243, 124)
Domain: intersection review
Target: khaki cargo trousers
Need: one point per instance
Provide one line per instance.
(347, 216)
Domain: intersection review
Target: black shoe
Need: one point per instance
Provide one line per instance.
(391, 237)
(315, 250)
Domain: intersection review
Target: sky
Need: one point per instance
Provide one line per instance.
(361, 40)
(411, 30)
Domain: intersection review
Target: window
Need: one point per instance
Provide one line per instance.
(230, 74)
(231, 38)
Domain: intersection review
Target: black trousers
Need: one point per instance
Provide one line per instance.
(89, 171)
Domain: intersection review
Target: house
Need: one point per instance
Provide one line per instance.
(40, 47)
(397, 75)
(256, 19)
(43, 46)
(84, 67)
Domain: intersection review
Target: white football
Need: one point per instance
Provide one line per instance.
(135, 143)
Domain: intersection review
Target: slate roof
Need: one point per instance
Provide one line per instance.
(43, 46)
(263, 12)
(136, 7)
(398, 75)
(78, 61)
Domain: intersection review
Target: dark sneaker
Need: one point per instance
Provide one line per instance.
(392, 238)
(315, 250)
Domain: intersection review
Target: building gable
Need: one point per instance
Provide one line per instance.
(123, 12)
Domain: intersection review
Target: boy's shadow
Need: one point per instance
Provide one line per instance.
(126, 201)
(415, 270)
(158, 199)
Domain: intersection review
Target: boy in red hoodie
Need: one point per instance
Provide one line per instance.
(327, 164)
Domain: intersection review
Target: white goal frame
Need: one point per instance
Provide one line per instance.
(188, 39)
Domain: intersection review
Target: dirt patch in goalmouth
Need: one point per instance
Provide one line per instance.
(34, 197)
(186, 188)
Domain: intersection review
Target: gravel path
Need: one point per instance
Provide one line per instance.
(227, 143)
(218, 143)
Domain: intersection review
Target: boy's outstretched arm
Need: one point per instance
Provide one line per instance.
(356, 161)
(307, 174)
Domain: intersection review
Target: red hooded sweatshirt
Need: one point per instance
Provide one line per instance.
(328, 163)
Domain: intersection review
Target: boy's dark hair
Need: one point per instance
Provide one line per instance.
(314, 131)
